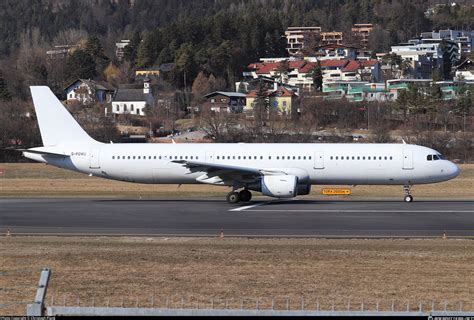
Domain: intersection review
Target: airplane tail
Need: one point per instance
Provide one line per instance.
(57, 126)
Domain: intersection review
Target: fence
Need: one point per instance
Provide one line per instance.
(175, 306)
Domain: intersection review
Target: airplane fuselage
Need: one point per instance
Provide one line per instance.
(319, 163)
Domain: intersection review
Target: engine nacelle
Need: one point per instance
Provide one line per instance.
(281, 186)
(303, 189)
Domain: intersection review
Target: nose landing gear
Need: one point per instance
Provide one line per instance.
(408, 197)
(234, 197)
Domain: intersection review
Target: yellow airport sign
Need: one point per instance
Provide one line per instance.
(336, 191)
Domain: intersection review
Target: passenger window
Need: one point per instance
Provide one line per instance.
(261, 157)
(244, 158)
(304, 158)
(309, 157)
(337, 158)
(391, 157)
(228, 157)
(380, 158)
(217, 157)
(176, 157)
(331, 157)
(133, 157)
(353, 158)
(385, 158)
(269, 157)
(347, 158)
(358, 157)
(294, 157)
(191, 157)
(368, 158)
(159, 157)
(128, 157)
(299, 158)
(239, 157)
(186, 157)
(363, 158)
(197, 157)
(113, 157)
(278, 158)
(123, 157)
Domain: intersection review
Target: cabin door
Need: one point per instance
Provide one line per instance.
(94, 158)
(319, 160)
(407, 159)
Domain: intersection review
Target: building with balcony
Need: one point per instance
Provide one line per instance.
(336, 51)
(463, 39)
(296, 37)
(220, 101)
(362, 32)
(331, 37)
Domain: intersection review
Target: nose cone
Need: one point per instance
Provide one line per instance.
(452, 171)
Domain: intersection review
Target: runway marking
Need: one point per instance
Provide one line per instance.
(352, 211)
(248, 207)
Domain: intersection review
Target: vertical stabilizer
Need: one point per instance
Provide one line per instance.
(57, 126)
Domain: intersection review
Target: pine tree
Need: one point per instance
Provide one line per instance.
(4, 93)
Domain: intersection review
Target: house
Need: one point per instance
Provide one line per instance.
(119, 48)
(88, 91)
(268, 82)
(220, 101)
(350, 70)
(295, 75)
(147, 73)
(336, 51)
(331, 37)
(465, 70)
(362, 31)
(463, 39)
(298, 37)
(282, 100)
(133, 100)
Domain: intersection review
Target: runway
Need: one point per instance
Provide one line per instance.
(294, 218)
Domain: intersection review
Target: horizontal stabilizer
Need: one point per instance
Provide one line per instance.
(44, 153)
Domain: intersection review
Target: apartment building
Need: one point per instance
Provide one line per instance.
(296, 37)
(362, 31)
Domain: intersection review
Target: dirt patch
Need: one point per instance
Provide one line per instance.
(102, 269)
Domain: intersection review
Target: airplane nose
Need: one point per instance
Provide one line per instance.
(453, 170)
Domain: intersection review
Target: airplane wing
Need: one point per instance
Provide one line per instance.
(224, 174)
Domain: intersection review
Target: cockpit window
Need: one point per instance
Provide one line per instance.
(435, 157)
(442, 157)
(429, 157)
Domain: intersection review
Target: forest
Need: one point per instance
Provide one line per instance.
(214, 37)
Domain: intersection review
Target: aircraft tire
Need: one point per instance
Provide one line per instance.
(245, 195)
(408, 198)
(233, 197)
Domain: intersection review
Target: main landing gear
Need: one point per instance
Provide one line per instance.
(408, 197)
(243, 195)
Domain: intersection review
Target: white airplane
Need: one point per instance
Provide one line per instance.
(275, 170)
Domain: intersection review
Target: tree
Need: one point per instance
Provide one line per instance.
(94, 49)
(80, 65)
(282, 71)
(4, 93)
(130, 51)
(317, 75)
(260, 107)
(201, 86)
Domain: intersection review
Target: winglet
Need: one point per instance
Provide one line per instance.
(403, 141)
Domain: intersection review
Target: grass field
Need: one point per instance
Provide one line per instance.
(230, 268)
(35, 179)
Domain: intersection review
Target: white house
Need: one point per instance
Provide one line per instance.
(465, 70)
(133, 101)
(88, 91)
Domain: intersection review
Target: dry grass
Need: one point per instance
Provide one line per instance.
(25, 180)
(230, 268)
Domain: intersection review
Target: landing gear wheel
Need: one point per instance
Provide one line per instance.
(245, 195)
(233, 197)
(408, 197)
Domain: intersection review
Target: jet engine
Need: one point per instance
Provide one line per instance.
(279, 186)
